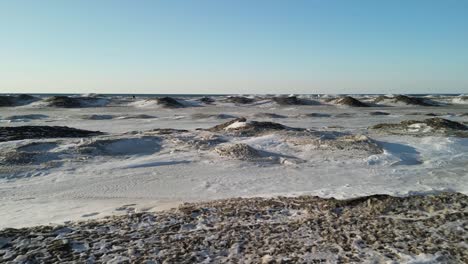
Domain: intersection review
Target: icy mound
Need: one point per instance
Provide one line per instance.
(222, 126)
(75, 102)
(460, 100)
(63, 101)
(287, 100)
(120, 147)
(305, 229)
(25, 118)
(164, 102)
(244, 152)
(206, 100)
(28, 157)
(24, 158)
(93, 95)
(201, 141)
(431, 126)
(239, 100)
(350, 101)
(351, 143)
(404, 100)
(293, 100)
(355, 144)
(18, 158)
(30, 132)
(242, 127)
(187, 103)
(238, 151)
(16, 100)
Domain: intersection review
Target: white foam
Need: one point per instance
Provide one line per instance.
(460, 100)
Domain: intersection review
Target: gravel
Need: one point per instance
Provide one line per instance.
(305, 229)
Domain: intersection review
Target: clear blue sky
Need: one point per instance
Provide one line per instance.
(233, 46)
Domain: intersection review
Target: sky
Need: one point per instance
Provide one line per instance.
(233, 46)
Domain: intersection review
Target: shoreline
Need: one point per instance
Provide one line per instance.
(95, 209)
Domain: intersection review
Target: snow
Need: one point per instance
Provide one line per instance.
(421, 259)
(419, 127)
(460, 100)
(236, 125)
(127, 167)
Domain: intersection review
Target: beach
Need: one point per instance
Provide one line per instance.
(88, 158)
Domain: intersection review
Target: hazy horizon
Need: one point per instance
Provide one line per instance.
(238, 47)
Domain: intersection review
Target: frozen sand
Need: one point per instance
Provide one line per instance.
(305, 229)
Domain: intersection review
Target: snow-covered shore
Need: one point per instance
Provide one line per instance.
(135, 163)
